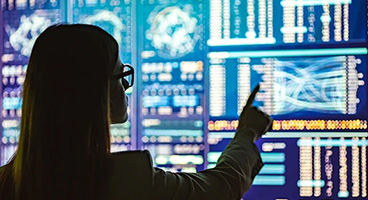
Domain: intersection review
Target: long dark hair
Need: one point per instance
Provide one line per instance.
(64, 138)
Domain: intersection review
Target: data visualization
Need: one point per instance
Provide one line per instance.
(276, 22)
(321, 84)
(171, 93)
(309, 167)
(173, 30)
(317, 98)
(114, 16)
(318, 85)
(182, 35)
(22, 27)
(22, 22)
(197, 61)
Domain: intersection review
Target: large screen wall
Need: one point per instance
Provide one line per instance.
(171, 83)
(21, 23)
(115, 17)
(196, 63)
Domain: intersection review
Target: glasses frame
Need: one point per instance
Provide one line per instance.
(123, 74)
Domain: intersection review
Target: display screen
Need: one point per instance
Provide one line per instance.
(171, 95)
(310, 59)
(317, 98)
(22, 22)
(197, 61)
(276, 22)
(115, 17)
(295, 84)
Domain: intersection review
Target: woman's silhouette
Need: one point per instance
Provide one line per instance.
(73, 90)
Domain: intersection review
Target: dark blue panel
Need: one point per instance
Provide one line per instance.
(171, 82)
(115, 17)
(318, 100)
(22, 22)
(283, 22)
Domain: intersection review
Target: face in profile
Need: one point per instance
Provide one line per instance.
(118, 98)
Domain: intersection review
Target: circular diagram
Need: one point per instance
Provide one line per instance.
(23, 38)
(173, 32)
(108, 21)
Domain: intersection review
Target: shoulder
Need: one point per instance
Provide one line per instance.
(128, 158)
(130, 171)
(121, 154)
(5, 170)
(132, 161)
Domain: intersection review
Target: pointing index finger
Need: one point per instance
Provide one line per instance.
(252, 96)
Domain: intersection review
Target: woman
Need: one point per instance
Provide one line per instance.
(73, 90)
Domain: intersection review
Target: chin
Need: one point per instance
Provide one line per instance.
(124, 119)
(119, 119)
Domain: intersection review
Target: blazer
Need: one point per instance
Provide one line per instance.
(134, 177)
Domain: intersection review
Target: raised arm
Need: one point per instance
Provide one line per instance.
(233, 175)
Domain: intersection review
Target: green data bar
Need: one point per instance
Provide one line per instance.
(269, 180)
(266, 158)
(213, 156)
(273, 169)
(273, 157)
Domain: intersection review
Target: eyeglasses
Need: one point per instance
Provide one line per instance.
(127, 76)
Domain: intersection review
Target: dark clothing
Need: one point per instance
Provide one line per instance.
(133, 177)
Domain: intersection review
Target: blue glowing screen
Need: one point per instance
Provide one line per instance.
(317, 98)
(171, 83)
(197, 61)
(21, 22)
(287, 22)
(327, 83)
(115, 17)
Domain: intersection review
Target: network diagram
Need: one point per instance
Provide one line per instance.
(173, 31)
(318, 85)
(24, 36)
(109, 21)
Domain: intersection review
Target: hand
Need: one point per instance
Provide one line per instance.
(252, 118)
